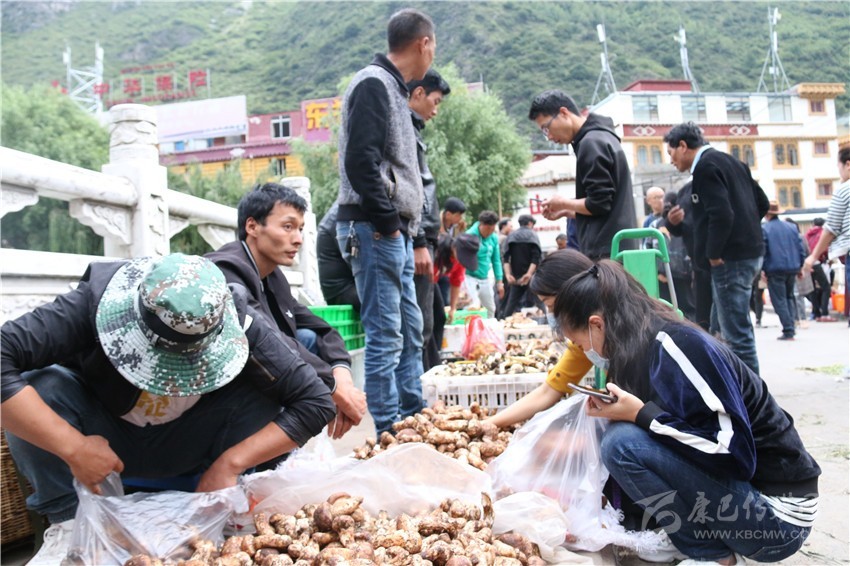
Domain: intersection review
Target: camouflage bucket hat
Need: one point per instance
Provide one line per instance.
(169, 326)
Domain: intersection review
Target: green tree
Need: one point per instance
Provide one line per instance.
(43, 122)
(474, 149)
(320, 166)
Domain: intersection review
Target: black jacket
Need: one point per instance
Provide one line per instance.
(429, 227)
(273, 297)
(335, 276)
(728, 206)
(522, 248)
(64, 332)
(603, 179)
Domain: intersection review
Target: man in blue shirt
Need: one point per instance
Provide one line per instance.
(783, 258)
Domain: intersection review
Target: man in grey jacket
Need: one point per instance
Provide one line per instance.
(380, 207)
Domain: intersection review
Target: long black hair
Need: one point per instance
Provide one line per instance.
(443, 255)
(632, 318)
(556, 269)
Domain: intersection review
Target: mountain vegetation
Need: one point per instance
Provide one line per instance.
(279, 53)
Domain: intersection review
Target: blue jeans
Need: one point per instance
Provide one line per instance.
(308, 339)
(731, 285)
(383, 271)
(707, 517)
(781, 289)
(186, 445)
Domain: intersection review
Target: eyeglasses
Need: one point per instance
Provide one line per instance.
(545, 128)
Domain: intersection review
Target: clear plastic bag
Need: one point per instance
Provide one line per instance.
(405, 479)
(557, 454)
(111, 528)
(482, 339)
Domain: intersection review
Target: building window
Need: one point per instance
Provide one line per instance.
(786, 154)
(279, 166)
(817, 107)
(280, 127)
(821, 149)
(743, 152)
(693, 108)
(737, 109)
(824, 188)
(646, 154)
(779, 108)
(789, 195)
(645, 108)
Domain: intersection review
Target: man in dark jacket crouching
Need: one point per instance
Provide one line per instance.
(154, 368)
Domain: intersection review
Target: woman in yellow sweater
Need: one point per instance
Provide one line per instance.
(552, 272)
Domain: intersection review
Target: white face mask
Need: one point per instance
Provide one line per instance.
(594, 356)
(553, 324)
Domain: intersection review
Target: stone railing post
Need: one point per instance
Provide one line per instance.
(133, 154)
(307, 262)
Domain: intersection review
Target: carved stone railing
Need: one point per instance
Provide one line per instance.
(128, 204)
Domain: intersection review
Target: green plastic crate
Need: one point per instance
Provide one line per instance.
(335, 313)
(347, 328)
(461, 316)
(355, 342)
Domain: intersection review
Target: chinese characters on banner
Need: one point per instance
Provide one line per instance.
(154, 83)
(317, 116)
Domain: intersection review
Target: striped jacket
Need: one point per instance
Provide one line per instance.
(706, 404)
(838, 221)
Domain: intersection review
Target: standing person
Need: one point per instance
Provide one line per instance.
(680, 264)
(425, 98)
(728, 206)
(452, 224)
(757, 298)
(604, 204)
(454, 256)
(694, 431)
(836, 233)
(655, 201)
(335, 277)
(154, 368)
(561, 241)
(452, 217)
(380, 207)
(680, 222)
(783, 258)
(522, 256)
(479, 285)
(270, 219)
(803, 284)
(820, 296)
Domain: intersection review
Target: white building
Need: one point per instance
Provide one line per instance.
(789, 139)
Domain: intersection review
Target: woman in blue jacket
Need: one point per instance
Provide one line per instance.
(696, 439)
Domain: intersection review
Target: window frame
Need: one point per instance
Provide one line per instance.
(743, 145)
(786, 146)
(699, 102)
(652, 108)
(816, 153)
(650, 149)
(821, 112)
(745, 100)
(279, 121)
(787, 111)
(790, 187)
(819, 183)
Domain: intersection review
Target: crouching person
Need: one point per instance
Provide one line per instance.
(152, 368)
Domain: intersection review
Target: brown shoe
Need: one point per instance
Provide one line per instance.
(826, 319)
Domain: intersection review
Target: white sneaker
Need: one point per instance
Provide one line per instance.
(694, 562)
(666, 551)
(57, 541)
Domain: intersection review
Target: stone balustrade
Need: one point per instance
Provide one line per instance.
(129, 205)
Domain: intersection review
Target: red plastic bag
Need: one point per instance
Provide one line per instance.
(481, 340)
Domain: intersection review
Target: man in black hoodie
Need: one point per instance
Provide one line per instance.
(604, 204)
(521, 257)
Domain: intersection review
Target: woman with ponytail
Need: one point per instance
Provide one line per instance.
(695, 437)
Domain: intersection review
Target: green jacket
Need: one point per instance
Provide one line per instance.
(488, 255)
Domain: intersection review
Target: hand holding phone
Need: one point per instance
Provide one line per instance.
(603, 396)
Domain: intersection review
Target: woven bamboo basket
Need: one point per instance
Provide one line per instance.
(15, 523)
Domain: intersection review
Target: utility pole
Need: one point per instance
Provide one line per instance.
(605, 74)
(772, 64)
(683, 54)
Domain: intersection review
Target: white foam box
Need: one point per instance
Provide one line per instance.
(540, 331)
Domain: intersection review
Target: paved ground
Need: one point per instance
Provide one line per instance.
(808, 377)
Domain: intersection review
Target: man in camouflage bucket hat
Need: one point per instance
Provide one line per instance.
(154, 368)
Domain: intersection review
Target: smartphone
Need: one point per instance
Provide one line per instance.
(603, 396)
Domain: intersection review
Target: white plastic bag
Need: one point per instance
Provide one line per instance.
(111, 528)
(408, 479)
(557, 453)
